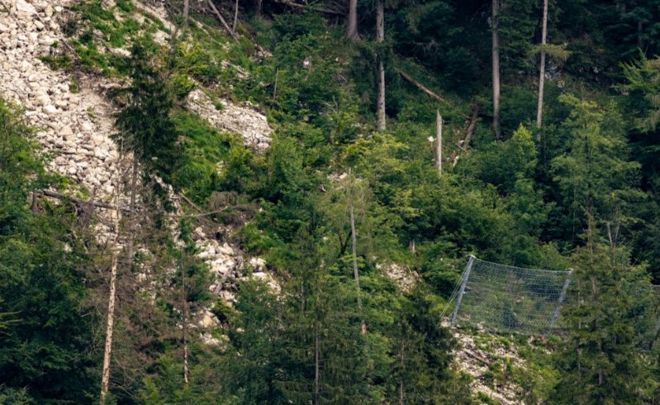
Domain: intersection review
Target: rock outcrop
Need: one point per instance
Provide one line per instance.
(75, 123)
(74, 128)
(247, 122)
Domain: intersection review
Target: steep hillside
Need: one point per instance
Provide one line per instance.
(272, 202)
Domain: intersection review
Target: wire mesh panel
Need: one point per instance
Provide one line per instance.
(509, 299)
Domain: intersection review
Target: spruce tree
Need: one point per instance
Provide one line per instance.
(45, 342)
(601, 362)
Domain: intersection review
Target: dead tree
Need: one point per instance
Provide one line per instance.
(496, 67)
(544, 35)
(438, 141)
(351, 20)
(380, 38)
(233, 26)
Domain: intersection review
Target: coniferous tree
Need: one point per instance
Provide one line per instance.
(46, 343)
(595, 172)
(601, 361)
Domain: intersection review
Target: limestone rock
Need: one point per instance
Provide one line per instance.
(249, 123)
(24, 9)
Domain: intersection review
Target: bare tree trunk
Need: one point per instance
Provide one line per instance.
(356, 273)
(317, 366)
(496, 68)
(380, 38)
(401, 387)
(351, 23)
(222, 20)
(186, 12)
(112, 294)
(109, 328)
(544, 36)
(233, 26)
(420, 86)
(438, 141)
(184, 329)
(472, 123)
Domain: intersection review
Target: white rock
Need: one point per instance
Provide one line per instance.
(66, 132)
(24, 9)
(225, 249)
(62, 104)
(257, 263)
(46, 40)
(50, 109)
(42, 99)
(87, 126)
(39, 25)
(120, 52)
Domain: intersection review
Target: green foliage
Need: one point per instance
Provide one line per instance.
(100, 33)
(198, 168)
(146, 126)
(254, 362)
(44, 352)
(514, 201)
(306, 58)
(595, 175)
(600, 363)
(643, 88)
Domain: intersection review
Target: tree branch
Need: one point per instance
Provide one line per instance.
(54, 194)
(310, 7)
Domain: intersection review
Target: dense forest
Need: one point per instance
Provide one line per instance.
(406, 136)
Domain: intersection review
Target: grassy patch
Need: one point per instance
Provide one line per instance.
(205, 152)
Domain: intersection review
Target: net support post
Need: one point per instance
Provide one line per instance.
(562, 296)
(461, 292)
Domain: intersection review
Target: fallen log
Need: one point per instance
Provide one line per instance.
(420, 86)
(222, 20)
(98, 204)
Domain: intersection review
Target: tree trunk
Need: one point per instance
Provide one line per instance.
(438, 141)
(186, 12)
(401, 386)
(420, 86)
(317, 366)
(112, 294)
(380, 38)
(109, 328)
(105, 372)
(233, 26)
(356, 273)
(351, 23)
(222, 19)
(472, 123)
(544, 35)
(496, 68)
(186, 315)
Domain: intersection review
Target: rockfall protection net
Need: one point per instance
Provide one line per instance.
(504, 298)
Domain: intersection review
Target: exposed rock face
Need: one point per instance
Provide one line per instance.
(249, 123)
(402, 275)
(74, 128)
(476, 362)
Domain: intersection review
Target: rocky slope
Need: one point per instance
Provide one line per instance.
(74, 120)
(74, 123)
